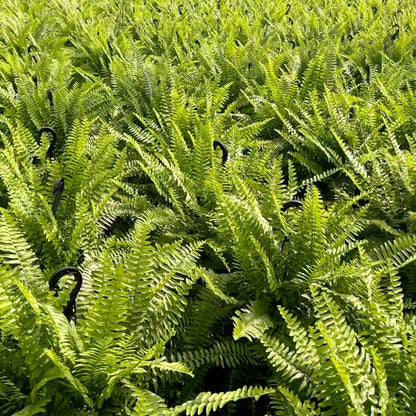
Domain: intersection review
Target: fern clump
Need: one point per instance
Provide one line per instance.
(207, 208)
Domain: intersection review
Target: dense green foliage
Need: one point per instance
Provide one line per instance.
(204, 290)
